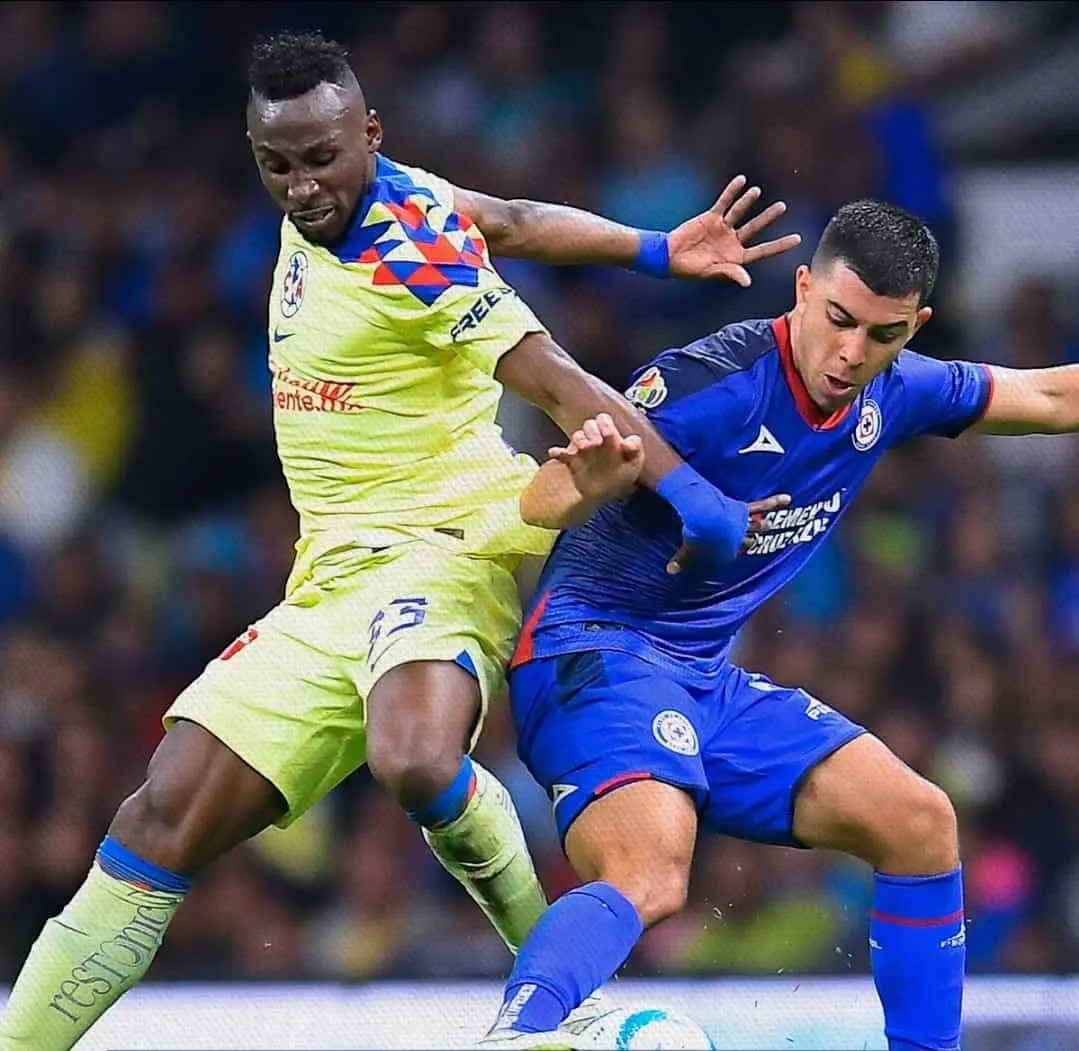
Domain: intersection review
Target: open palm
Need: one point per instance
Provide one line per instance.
(714, 245)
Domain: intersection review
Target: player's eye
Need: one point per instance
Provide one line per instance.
(840, 322)
(275, 165)
(322, 160)
(884, 337)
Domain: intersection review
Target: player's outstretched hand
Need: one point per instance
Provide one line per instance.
(758, 510)
(604, 464)
(714, 245)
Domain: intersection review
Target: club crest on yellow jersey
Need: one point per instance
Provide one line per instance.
(295, 284)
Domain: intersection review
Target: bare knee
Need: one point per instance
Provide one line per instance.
(419, 719)
(414, 772)
(640, 839)
(864, 801)
(657, 889)
(924, 840)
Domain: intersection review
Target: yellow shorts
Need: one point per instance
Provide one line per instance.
(288, 696)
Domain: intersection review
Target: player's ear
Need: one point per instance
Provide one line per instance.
(803, 278)
(923, 315)
(374, 131)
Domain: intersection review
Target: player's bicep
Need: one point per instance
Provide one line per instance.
(1021, 401)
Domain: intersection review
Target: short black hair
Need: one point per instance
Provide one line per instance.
(286, 65)
(892, 251)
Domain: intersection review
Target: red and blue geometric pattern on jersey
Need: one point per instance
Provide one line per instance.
(414, 242)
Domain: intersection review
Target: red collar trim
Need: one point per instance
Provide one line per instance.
(807, 407)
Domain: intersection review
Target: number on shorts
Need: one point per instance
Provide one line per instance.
(401, 613)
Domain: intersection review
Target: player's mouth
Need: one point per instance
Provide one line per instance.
(837, 388)
(314, 220)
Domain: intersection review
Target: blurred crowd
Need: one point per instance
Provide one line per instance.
(144, 524)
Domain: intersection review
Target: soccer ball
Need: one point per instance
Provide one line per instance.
(643, 1029)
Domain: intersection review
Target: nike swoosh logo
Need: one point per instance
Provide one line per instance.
(280, 337)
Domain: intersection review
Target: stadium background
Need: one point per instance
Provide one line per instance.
(143, 523)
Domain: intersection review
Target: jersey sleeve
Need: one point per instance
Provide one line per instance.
(941, 397)
(685, 402)
(481, 322)
(440, 188)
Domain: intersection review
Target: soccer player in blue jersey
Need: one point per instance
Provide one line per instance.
(628, 708)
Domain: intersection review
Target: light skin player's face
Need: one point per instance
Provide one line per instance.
(316, 156)
(842, 334)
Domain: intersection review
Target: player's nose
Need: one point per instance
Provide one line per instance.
(852, 349)
(302, 188)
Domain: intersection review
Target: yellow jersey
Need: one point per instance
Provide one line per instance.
(382, 352)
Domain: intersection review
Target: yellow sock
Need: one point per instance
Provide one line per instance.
(83, 961)
(485, 851)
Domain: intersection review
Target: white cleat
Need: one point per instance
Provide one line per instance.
(590, 1009)
(512, 1040)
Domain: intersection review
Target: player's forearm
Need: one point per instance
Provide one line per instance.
(1033, 401)
(569, 396)
(552, 501)
(564, 236)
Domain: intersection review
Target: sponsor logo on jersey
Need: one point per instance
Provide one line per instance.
(649, 391)
(292, 291)
(795, 525)
(674, 731)
(475, 314)
(292, 393)
(868, 428)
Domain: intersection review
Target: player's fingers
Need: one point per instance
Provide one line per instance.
(679, 560)
(727, 197)
(742, 205)
(632, 448)
(770, 248)
(769, 503)
(738, 274)
(580, 439)
(759, 222)
(606, 425)
(592, 432)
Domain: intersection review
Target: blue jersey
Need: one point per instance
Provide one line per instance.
(735, 409)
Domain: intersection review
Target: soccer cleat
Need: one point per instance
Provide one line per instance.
(513, 1039)
(590, 1008)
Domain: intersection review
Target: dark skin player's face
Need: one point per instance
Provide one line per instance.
(316, 156)
(843, 334)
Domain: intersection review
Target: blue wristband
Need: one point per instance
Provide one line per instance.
(709, 518)
(653, 257)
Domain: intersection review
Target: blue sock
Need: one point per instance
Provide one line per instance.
(578, 943)
(123, 864)
(917, 940)
(450, 803)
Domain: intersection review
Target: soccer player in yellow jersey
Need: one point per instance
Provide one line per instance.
(391, 335)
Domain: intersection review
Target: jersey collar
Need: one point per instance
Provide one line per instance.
(807, 407)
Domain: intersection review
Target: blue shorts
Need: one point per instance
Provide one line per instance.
(590, 722)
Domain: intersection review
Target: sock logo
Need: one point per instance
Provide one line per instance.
(511, 1010)
(116, 963)
(956, 941)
